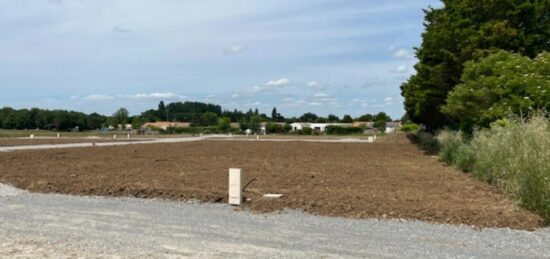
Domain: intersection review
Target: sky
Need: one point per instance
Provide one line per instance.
(322, 56)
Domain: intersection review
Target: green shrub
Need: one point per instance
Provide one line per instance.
(449, 144)
(409, 127)
(287, 128)
(426, 141)
(339, 130)
(307, 131)
(464, 157)
(273, 128)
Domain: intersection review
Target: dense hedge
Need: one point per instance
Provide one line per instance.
(338, 130)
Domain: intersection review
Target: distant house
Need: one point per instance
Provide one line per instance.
(392, 126)
(299, 125)
(125, 126)
(320, 127)
(164, 125)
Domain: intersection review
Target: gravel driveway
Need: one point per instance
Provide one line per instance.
(50, 225)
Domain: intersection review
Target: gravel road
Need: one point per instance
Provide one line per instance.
(60, 226)
(169, 140)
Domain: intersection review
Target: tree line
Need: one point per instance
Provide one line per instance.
(197, 113)
(480, 60)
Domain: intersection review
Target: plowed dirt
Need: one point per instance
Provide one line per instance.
(391, 178)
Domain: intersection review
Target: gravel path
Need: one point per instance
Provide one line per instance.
(170, 140)
(60, 226)
(106, 144)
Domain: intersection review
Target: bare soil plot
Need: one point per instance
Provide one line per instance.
(388, 179)
(8, 142)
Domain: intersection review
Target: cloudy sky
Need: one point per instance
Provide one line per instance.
(321, 56)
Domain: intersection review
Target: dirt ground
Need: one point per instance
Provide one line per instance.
(391, 178)
(8, 142)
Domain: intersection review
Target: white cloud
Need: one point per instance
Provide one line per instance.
(388, 99)
(74, 97)
(234, 50)
(314, 104)
(402, 53)
(320, 95)
(402, 69)
(316, 85)
(118, 29)
(279, 83)
(151, 96)
(98, 98)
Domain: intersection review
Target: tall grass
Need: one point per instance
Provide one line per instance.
(513, 155)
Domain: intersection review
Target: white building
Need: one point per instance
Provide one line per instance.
(320, 127)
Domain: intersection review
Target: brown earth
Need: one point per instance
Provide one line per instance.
(388, 179)
(8, 142)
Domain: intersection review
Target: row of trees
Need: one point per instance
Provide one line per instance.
(479, 61)
(199, 114)
(202, 114)
(50, 120)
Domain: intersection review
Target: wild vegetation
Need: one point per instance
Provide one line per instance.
(513, 154)
(480, 63)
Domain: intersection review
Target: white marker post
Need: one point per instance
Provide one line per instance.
(370, 139)
(31, 136)
(235, 186)
(128, 136)
(114, 136)
(58, 135)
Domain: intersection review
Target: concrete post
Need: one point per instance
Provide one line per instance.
(235, 186)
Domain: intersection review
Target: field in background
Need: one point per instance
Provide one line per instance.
(391, 178)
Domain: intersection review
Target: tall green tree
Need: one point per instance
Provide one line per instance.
(162, 112)
(497, 85)
(347, 119)
(462, 31)
(380, 120)
(274, 114)
(120, 117)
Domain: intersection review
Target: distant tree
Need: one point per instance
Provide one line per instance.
(366, 117)
(224, 124)
(95, 121)
(274, 114)
(137, 122)
(209, 119)
(120, 117)
(308, 117)
(162, 112)
(243, 124)
(380, 120)
(333, 118)
(347, 119)
(321, 120)
(255, 123)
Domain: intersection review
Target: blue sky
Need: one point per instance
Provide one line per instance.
(322, 56)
